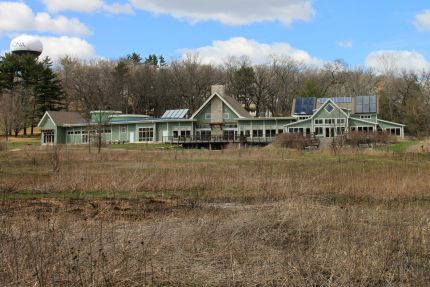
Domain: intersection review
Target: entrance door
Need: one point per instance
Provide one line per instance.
(131, 137)
(48, 137)
(165, 136)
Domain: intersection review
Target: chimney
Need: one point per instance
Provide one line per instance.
(219, 89)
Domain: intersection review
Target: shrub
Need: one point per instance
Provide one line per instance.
(291, 140)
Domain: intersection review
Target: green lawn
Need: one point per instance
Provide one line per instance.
(19, 143)
(400, 147)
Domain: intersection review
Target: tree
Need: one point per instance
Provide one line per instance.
(135, 58)
(11, 113)
(38, 86)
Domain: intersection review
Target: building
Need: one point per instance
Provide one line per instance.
(329, 117)
(220, 119)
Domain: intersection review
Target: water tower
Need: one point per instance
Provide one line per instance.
(26, 45)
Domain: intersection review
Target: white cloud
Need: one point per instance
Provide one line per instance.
(257, 52)
(58, 47)
(395, 61)
(18, 17)
(117, 8)
(422, 20)
(87, 6)
(237, 12)
(345, 44)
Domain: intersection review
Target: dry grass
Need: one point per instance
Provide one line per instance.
(258, 217)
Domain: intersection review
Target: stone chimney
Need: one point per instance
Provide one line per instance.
(219, 89)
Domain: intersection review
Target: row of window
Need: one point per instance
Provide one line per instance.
(329, 121)
(260, 133)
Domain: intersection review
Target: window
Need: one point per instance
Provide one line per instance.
(205, 135)
(70, 132)
(340, 121)
(247, 133)
(48, 137)
(304, 118)
(318, 130)
(226, 116)
(394, 131)
(365, 117)
(270, 133)
(146, 134)
(107, 131)
(208, 116)
(77, 132)
(229, 135)
(329, 108)
(280, 131)
(123, 130)
(329, 121)
(231, 126)
(318, 121)
(295, 130)
(257, 133)
(185, 134)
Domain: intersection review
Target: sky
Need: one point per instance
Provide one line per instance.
(377, 34)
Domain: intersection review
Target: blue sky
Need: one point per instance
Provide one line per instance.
(314, 32)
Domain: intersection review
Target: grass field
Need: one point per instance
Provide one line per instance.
(154, 216)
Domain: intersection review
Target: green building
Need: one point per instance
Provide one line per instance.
(220, 119)
(329, 117)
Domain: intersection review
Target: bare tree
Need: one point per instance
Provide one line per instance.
(11, 113)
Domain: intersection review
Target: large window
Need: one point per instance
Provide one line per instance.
(318, 121)
(146, 134)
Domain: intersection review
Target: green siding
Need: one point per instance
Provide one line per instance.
(231, 115)
(201, 116)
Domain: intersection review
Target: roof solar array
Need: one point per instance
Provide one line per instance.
(304, 106)
(175, 114)
(365, 104)
(338, 100)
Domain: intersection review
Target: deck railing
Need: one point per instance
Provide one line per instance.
(216, 139)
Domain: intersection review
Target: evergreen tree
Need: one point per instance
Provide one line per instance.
(35, 82)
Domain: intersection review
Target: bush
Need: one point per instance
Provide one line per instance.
(291, 140)
(370, 138)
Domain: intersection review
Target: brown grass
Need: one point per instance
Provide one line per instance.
(257, 217)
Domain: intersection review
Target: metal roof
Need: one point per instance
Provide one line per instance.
(175, 114)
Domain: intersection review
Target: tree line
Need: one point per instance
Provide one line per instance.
(150, 85)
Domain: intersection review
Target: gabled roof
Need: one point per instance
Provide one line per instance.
(329, 101)
(230, 102)
(63, 118)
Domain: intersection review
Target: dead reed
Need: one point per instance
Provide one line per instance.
(258, 217)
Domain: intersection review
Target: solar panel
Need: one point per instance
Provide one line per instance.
(304, 106)
(365, 104)
(175, 114)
